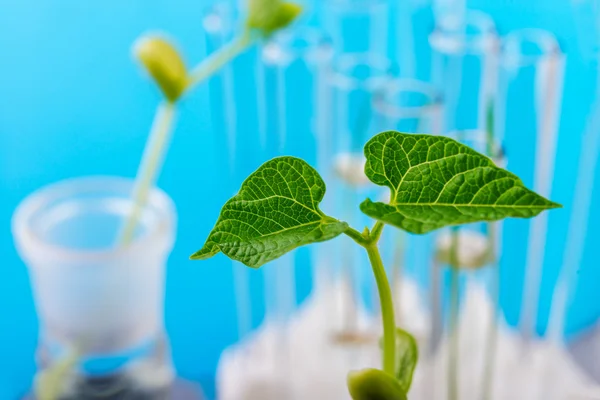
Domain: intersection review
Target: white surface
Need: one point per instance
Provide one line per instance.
(300, 361)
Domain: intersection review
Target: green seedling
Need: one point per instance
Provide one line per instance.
(434, 182)
(164, 64)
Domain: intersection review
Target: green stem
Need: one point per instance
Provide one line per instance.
(156, 145)
(376, 231)
(218, 59)
(453, 323)
(151, 163)
(357, 236)
(387, 309)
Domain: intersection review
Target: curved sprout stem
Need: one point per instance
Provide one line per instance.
(150, 166)
(369, 240)
(387, 309)
(218, 59)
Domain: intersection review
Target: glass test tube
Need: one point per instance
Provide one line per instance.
(526, 117)
(238, 140)
(413, 22)
(293, 72)
(575, 282)
(357, 26)
(355, 82)
(464, 67)
(411, 106)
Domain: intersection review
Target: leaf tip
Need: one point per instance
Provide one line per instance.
(207, 251)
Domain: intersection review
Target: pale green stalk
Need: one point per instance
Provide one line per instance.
(218, 59)
(156, 146)
(369, 240)
(49, 383)
(151, 164)
(387, 309)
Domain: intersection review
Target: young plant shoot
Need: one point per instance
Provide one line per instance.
(434, 182)
(165, 65)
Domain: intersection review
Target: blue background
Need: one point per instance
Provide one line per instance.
(73, 103)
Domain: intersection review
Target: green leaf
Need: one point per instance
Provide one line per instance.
(163, 63)
(268, 16)
(275, 211)
(436, 181)
(407, 353)
(374, 384)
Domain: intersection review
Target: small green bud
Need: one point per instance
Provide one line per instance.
(269, 16)
(164, 63)
(374, 384)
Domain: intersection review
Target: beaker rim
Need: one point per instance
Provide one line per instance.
(450, 34)
(383, 104)
(513, 53)
(281, 50)
(380, 71)
(159, 236)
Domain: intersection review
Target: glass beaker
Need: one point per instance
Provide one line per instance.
(100, 305)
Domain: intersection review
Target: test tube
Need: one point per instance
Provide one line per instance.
(464, 67)
(292, 71)
(413, 22)
(234, 137)
(578, 262)
(356, 81)
(527, 115)
(410, 106)
(532, 69)
(357, 26)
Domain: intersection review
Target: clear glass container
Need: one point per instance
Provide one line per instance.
(464, 68)
(100, 305)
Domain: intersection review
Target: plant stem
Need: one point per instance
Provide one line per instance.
(156, 146)
(218, 59)
(376, 231)
(149, 167)
(387, 309)
(453, 323)
(492, 338)
(357, 236)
